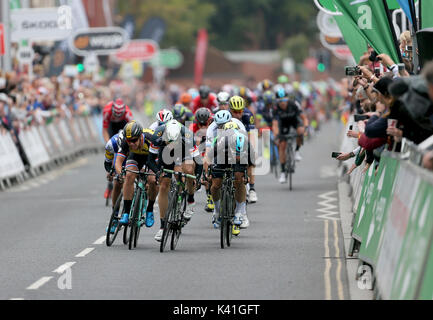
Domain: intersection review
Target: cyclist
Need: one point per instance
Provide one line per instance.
(185, 99)
(287, 115)
(229, 149)
(115, 116)
(203, 118)
(182, 114)
(265, 110)
(135, 148)
(111, 149)
(174, 146)
(161, 117)
(238, 111)
(223, 101)
(204, 99)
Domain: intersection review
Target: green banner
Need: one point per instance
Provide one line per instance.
(353, 38)
(379, 208)
(362, 219)
(370, 18)
(415, 246)
(426, 14)
(15, 4)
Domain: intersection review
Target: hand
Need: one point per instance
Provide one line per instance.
(351, 169)
(352, 134)
(385, 60)
(366, 72)
(396, 133)
(110, 177)
(367, 166)
(344, 156)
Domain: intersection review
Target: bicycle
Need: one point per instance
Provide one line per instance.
(139, 205)
(174, 218)
(108, 192)
(114, 221)
(275, 162)
(290, 156)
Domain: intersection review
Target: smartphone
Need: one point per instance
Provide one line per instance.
(353, 71)
(351, 127)
(408, 48)
(360, 117)
(377, 72)
(336, 154)
(401, 67)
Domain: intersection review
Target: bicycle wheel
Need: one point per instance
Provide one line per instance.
(134, 220)
(114, 219)
(229, 222)
(223, 216)
(110, 191)
(171, 211)
(289, 163)
(177, 226)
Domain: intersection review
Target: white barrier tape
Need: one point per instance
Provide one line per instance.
(10, 161)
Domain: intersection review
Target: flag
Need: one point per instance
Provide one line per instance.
(404, 4)
(200, 56)
(426, 14)
(371, 19)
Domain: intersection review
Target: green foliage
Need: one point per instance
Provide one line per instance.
(183, 17)
(296, 47)
(232, 24)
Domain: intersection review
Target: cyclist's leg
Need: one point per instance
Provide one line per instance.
(240, 193)
(217, 182)
(128, 187)
(117, 187)
(188, 167)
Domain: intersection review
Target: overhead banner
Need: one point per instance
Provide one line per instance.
(200, 56)
(39, 24)
(371, 19)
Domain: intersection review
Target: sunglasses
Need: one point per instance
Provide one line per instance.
(132, 140)
(283, 100)
(238, 111)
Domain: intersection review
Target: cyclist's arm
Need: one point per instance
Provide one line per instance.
(151, 162)
(105, 134)
(275, 128)
(119, 163)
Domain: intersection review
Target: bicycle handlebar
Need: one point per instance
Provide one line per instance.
(180, 174)
(142, 173)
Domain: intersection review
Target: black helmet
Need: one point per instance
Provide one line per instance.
(204, 92)
(202, 115)
(132, 130)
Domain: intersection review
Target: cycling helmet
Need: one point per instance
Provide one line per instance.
(237, 103)
(179, 111)
(193, 92)
(202, 115)
(268, 97)
(204, 92)
(164, 115)
(223, 97)
(118, 108)
(222, 117)
(172, 131)
(231, 126)
(243, 91)
(266, 85)
(281, 93)
(132, 130)
(283, 79)
(185, 98)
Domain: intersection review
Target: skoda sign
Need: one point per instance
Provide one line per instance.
(98, 41)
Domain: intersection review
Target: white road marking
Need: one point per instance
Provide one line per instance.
(327, 263)
(339, 266)
(39, 283)
(328, 209)
(64, 267)
(16, 299)
(84, 253)
(101, 240)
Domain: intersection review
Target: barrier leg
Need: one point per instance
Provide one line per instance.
(353, 247)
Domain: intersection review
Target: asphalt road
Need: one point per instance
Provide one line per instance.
(290, 251)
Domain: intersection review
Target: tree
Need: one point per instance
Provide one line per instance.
(183, 17)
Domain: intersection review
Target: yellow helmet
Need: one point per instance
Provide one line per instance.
(237, 103)
(231, 125)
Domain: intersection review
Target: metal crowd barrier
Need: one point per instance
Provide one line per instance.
(393, 224)
(48, 145)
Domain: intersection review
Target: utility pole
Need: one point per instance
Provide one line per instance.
(5, 19)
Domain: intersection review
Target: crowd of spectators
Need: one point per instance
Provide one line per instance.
(389, 102)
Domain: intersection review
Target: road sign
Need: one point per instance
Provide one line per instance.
(98, 41)
(2, 39)
(142, 50)
(25, 54)
(168, 58)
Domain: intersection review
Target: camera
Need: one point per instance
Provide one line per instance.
(377, 72)
(374, 57)
(360, 117)
(401, 67)
(353, 71)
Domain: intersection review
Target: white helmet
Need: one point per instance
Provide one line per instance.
(164, 115)
(223, 97)
(222, 117)
(172, 131)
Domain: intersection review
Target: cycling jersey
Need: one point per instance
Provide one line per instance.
(212, 104)
(266, 112)
(111, 149)
(248, 120)
(124, 149)
(212, 131)
(289, 118)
